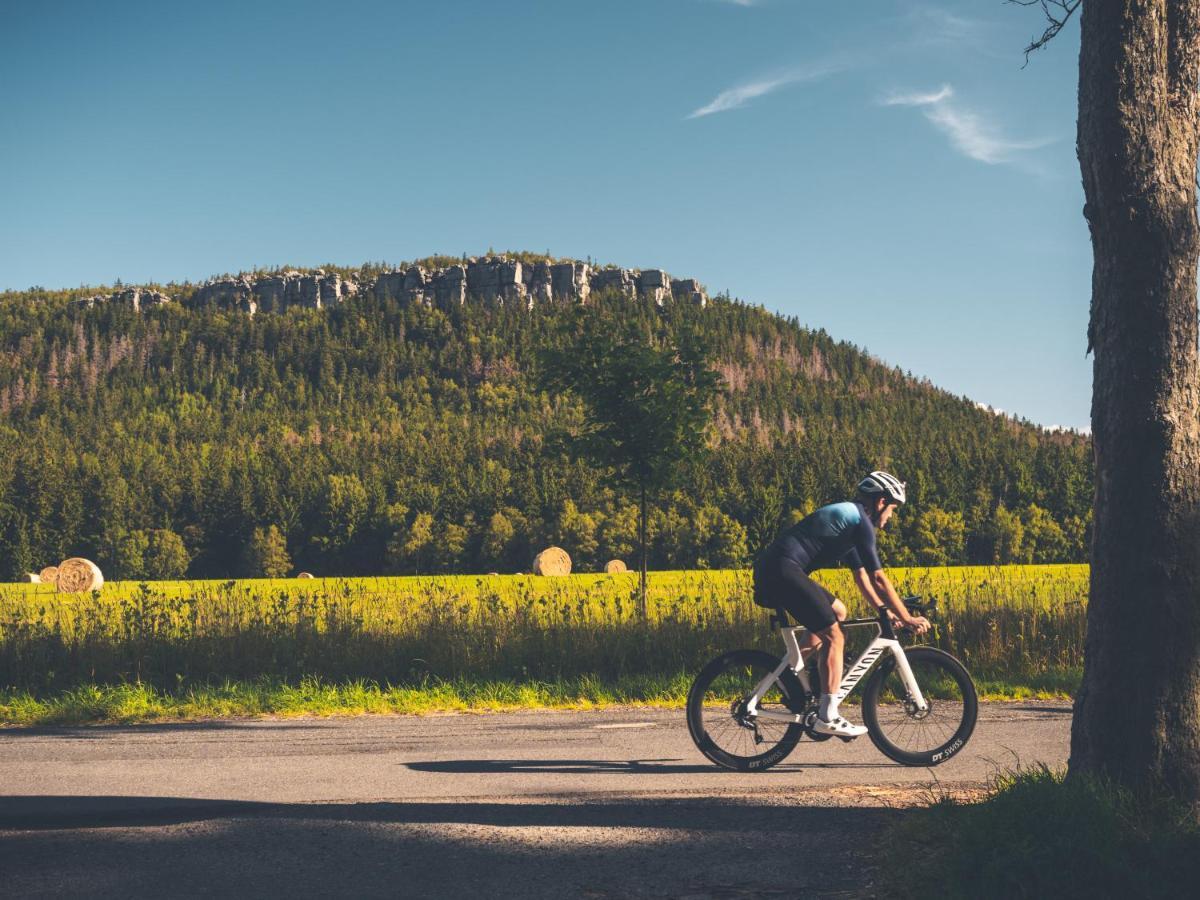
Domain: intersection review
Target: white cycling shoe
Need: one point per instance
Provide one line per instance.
(839, 727)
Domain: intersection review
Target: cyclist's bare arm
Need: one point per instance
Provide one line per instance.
(878, 591)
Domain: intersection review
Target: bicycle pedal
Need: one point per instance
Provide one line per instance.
(844, 739)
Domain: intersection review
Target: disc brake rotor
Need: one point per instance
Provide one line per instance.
(914, 711)
(737, 710)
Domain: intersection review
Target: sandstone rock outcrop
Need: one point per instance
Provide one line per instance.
(142, 299)
(496, 280)
(689, 289)
(571, 281)
(138, 298)
(539, 283)
(654, 284)
(408, 285)
(227, 293)
(621, 280)
(449, 287)
(275, 293)
(335, 289)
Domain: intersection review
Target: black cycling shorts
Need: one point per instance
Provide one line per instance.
(780, 582)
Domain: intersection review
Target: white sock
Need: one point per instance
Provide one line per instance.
(829, 707)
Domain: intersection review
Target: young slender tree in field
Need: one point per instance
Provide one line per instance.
(647, 402)
(1137, 716)
(267, 553)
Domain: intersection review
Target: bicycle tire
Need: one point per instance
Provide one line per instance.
(922, 659)
(758, 662)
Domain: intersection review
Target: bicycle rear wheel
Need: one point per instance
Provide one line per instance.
(717, 718)
(912, 736)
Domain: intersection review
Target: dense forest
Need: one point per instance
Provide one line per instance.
(382, 437)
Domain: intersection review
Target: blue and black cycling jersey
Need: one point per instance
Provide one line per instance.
(839, 532)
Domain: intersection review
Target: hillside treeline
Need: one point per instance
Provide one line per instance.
(377, 437)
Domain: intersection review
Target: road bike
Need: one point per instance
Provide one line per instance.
(747, 710)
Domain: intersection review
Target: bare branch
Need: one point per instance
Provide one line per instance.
(1057, 12)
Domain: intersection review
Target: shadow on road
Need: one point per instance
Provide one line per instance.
(655, 847)
(732, 814)
(607, 767)
(1062, 711)
(558, 766)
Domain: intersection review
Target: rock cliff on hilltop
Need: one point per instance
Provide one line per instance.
(275, 293)
(495, 280)
(138, 298)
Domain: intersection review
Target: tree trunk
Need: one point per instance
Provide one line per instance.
(1137, 715)
(642, 540)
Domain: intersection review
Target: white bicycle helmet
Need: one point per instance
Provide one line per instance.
(883, 483)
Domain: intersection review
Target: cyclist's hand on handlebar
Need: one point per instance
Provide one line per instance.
(919, 624)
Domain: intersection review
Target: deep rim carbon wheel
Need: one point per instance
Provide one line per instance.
(716, 712)
(911, 736)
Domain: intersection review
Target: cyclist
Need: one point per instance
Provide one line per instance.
(839, 532)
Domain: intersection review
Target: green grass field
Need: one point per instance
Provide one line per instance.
(469, 642)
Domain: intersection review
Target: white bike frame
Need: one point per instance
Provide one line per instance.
(854, 674)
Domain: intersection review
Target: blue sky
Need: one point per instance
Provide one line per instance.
(886, 171)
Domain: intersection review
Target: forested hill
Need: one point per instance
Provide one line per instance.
(385, 435)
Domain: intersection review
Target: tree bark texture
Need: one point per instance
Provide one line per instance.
(1137, 715)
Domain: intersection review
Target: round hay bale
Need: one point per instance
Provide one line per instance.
(30, 578)
(49, 575)
(306, 575)
(615, 567)
(78, 576)
(552, 561)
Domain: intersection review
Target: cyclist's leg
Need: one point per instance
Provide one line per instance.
(829, 717)
(813, 643)
(823, 641)
(832, 656)
(783, 582)
(817, 609)
(806, 601)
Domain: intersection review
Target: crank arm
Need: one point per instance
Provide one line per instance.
(773, 716)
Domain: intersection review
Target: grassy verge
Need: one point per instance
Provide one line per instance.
(310, 696)
(143, 703)
(1037, 835)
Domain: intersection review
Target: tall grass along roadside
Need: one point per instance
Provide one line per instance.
(1039, 834)
(1015, 623)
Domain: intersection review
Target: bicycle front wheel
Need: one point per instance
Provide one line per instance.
(720, 725)
(917, 737)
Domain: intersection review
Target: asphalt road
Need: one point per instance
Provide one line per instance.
(540, 804)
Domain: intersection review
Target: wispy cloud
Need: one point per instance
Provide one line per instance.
(925, 28)
(919, 99)
(933, 24)
(968, 131)
(742, 94)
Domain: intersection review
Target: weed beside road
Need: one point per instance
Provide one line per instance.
(1039, 834)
